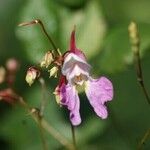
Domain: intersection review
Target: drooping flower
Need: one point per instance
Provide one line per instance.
(75, 72)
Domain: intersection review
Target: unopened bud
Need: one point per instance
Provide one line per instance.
(2, 74)
(47, 60)
(8, 95)
(53, 72)
(133, 33)
(32, 74)
(12, 65)
(57, 95)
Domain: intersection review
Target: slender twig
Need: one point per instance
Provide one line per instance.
(135, 45)
(46, 126)
(41, 112)
(144, 138)
(73, 137)
(44, 99)
(38, 21)
(44, 143)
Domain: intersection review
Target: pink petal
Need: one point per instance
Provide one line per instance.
(75, 66)
(70, 99)
(98, 92)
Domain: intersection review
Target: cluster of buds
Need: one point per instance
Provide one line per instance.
(47, 60)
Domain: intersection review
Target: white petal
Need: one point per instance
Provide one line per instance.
(71, 60)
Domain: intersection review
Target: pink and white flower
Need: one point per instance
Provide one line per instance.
(75, 71)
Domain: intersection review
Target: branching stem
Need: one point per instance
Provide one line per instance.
(46, 126)
(38, 21)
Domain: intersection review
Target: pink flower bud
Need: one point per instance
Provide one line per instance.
(12, 65)
(8, 95)
(32, 74)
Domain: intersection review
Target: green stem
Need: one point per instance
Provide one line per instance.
(135, 46)
(73, 137)
(46, 126)
(144, 138)
(44, 143)
(38, 21)
(44, 97)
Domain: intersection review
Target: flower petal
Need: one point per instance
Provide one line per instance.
(70, 99)
(75, 66)
(71, 60)
(98, 92)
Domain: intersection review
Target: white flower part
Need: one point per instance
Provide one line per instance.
(75, 69)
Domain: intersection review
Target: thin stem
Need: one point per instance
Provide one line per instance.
(73, 136)
(135, 45)
(38, 21)
(43, 100)
(46, 126)
(44, 143)
(144, 138)
(41, 112)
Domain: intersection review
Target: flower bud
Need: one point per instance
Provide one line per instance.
(12, 65)
(53, 72)
(8, 95)
(2, 74)
(32, 74)
(57, 95)
(47, 60)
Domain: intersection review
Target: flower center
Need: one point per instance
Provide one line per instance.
(79, 79)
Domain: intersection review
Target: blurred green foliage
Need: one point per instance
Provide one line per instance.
(102, 33)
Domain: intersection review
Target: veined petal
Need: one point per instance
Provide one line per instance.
(98, 92)
(70, 99)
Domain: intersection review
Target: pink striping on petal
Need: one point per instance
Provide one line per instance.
(70, 99)
(98, 92)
